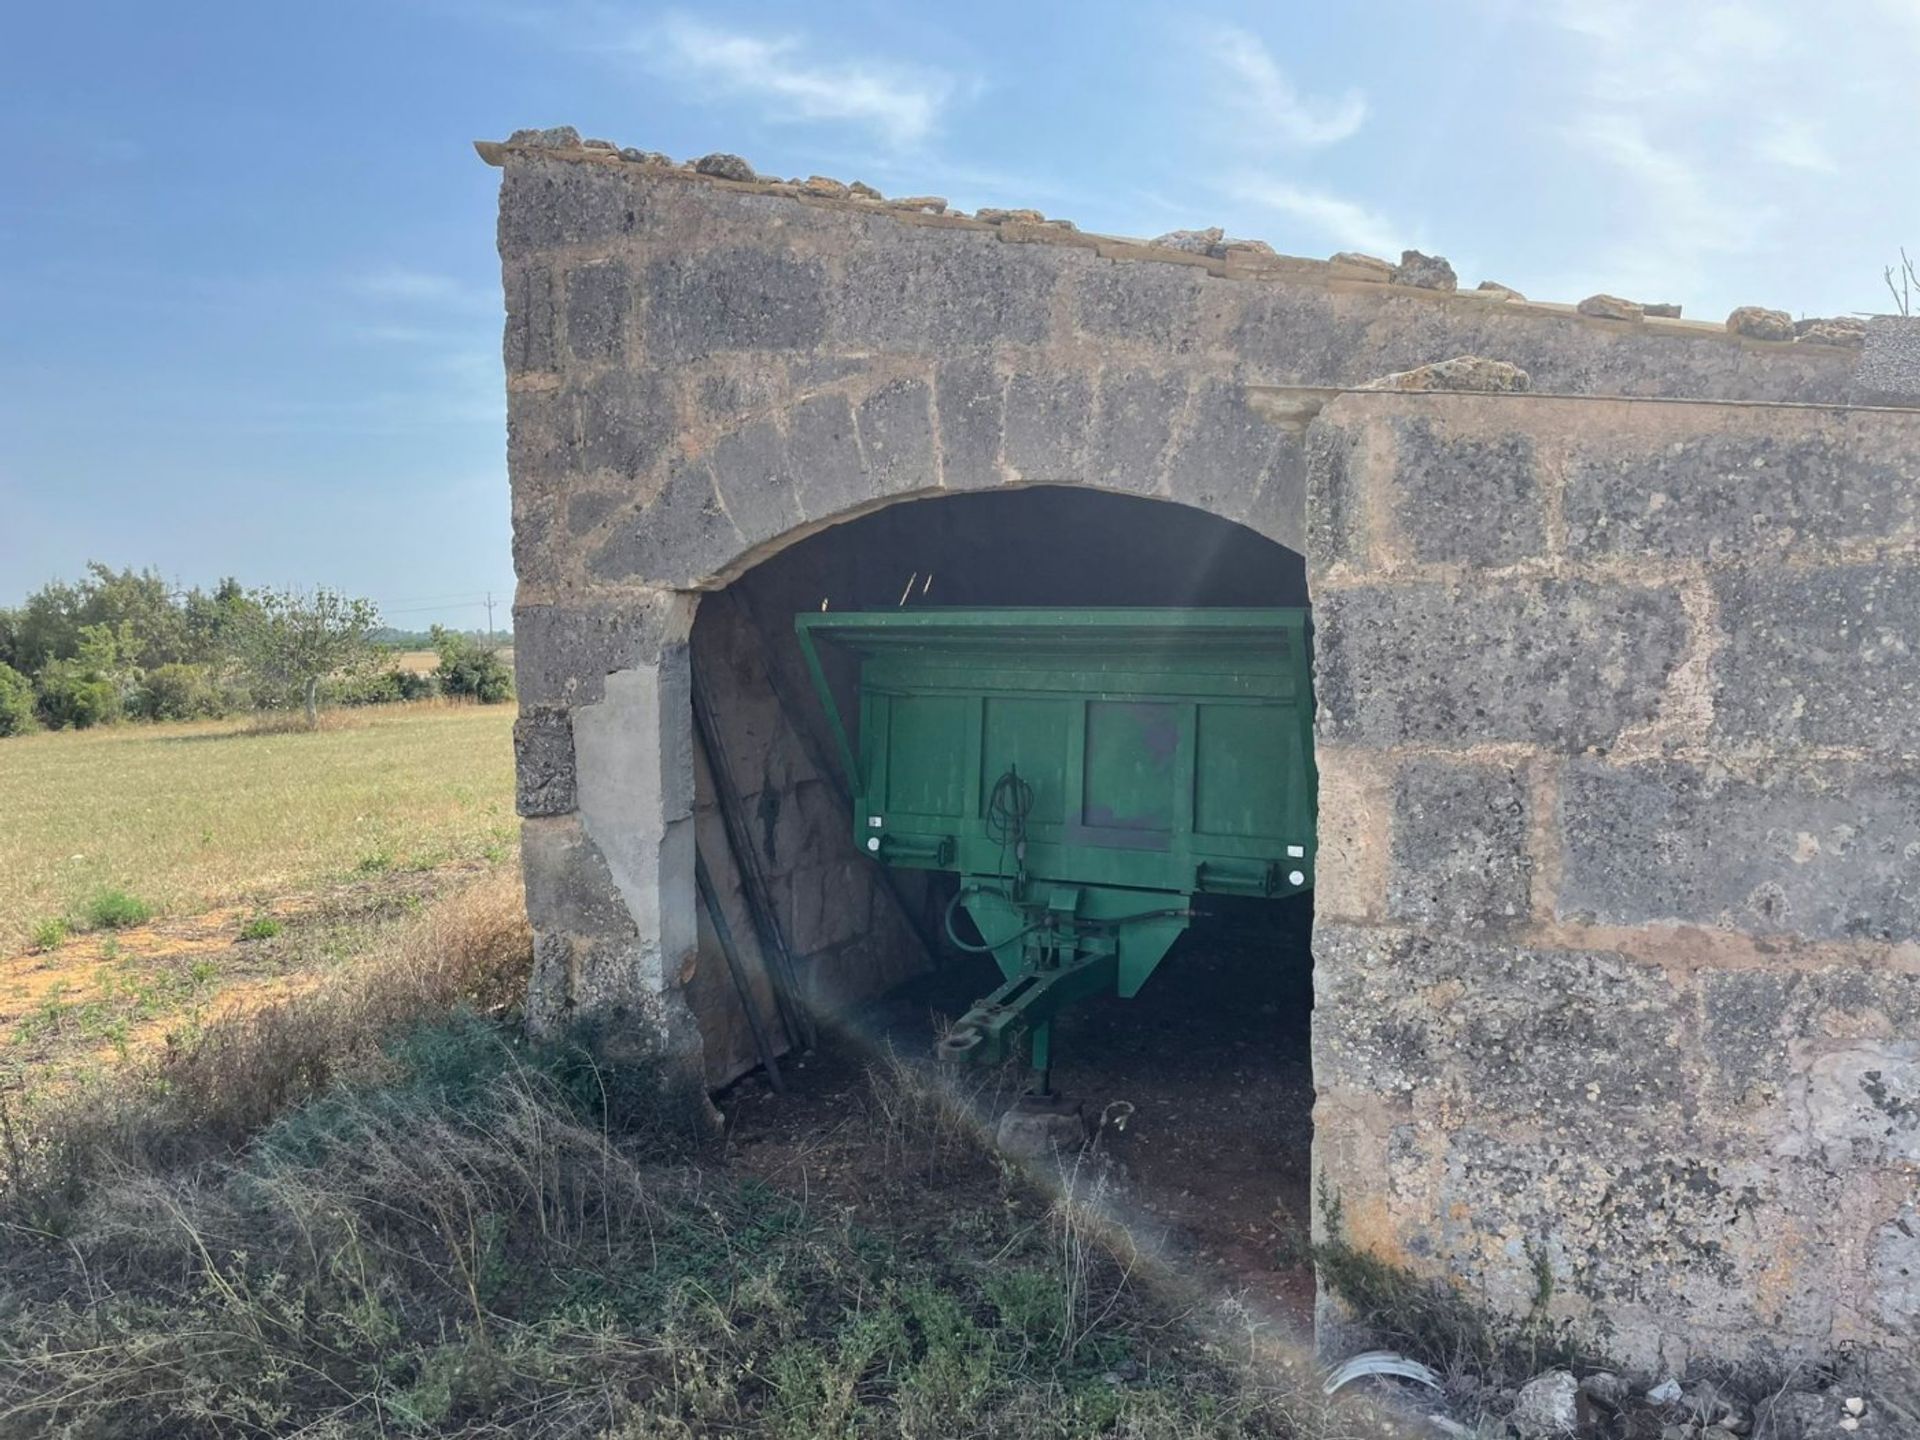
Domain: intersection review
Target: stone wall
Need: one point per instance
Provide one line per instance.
(1618, 937)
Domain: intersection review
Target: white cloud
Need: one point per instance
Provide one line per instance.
(414, 287)
(1267, 100)
(1349, 225)
(901, 104)
(1795, 145)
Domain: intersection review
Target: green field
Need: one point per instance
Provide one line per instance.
(187, 817)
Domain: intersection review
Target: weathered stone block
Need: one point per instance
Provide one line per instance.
(1336, 504)
(1762, 1030)
(1828, 656)
(1133, 422)
(540, 438)
(1565, 664)
(529, 342)
(968, 393)
(738, 298)
(1126, 300)
(895, 425)
(626, 419)
(1047, 421)
(543, 762)
(1226, 451)
(1861, 1103)
(545, 203)
(1893, 1275)
(1465, 500)
(825, 455)
(1889, 369)
(1825, 850)
(1567, 1037)
(599, 300)
(683, 538)
(1734, 492)
(756, 481)
(918, 291)
(563, 653)
(1460, 854)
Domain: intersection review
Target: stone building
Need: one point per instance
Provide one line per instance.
(1617, 946)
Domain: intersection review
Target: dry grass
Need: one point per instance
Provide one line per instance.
(186, 817)
(204, 1098)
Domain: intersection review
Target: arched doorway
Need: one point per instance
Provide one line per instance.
(1211, 1058)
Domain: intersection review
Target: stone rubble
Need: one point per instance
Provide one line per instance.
(1494, 287)
(1841, 330)
(1190, 242)
(559, 137)
(1364, 267)
(1757, 322)
(1663, 310)
(1425, 272)
(1547, 1407)
(723, 166)
(1611, 307)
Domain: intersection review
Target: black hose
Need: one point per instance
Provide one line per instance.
(960, 944)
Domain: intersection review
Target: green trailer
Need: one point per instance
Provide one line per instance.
(1086, 773)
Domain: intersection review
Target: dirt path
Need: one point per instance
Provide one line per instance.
(99, 998)
(1212, 1057)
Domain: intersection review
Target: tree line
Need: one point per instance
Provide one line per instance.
(127, 645)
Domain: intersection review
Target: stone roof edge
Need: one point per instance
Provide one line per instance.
(1249, 266)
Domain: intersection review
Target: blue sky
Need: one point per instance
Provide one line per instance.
(249, 301)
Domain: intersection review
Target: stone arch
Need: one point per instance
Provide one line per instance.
(608, 751)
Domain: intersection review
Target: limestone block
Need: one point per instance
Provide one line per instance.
(1226, 449)
(1825, 850)
(895, 424)
(626, 419)
(1133, 423)
(1124, 300)
(679, 540)
(1464, 499)
(1576, 1040)
(1565, 664)
(1889, 369)
(1708, 495)
(546, 203)
(968, 394)
(599, 300)
(529, 338)
(911, 290)
(543, 762)
(756, 482)
(824, 454)
(563, 653)
(1047, 420)
(1459, 846)
(744, 297)
(1894, 1273)
(1826, 656)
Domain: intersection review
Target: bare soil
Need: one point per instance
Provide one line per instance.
(1205, 1080)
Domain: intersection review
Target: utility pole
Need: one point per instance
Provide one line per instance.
(489, 620)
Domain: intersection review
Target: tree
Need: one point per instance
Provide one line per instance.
(470, 668)
(16, 701)
(291, 640)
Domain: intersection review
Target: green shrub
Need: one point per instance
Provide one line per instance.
(469, 668)
(48, 934)
(384, 687)
(179, 692)
(116, 909)
(16, 702)
(74, 697)
(261, 927)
